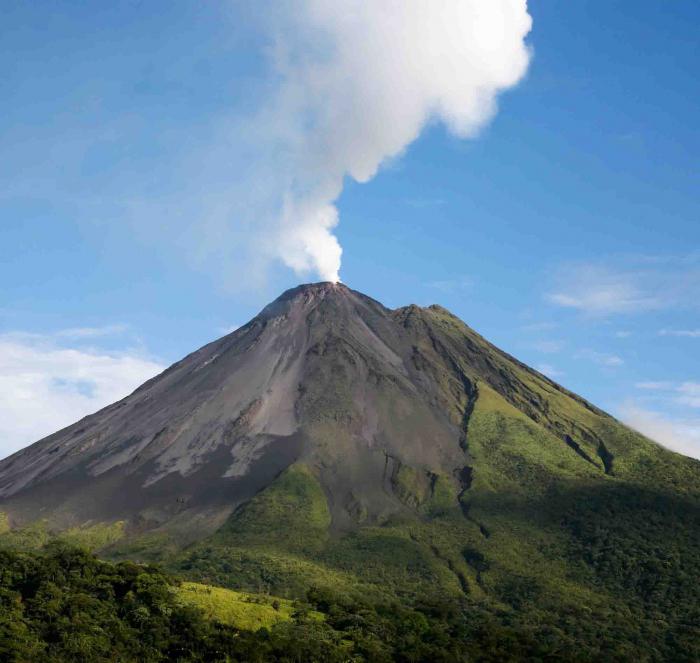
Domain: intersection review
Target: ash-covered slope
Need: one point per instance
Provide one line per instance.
(321, 372)
(325, 376)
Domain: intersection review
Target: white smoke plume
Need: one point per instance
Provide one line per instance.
(356, 82)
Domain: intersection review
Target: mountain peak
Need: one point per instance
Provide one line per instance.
(317, 287)
(325, 376)
(305, 295)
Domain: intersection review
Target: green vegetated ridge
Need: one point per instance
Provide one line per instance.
(587, 547)
(563, 536)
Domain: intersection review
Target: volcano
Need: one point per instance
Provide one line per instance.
(323, 376)
(333, 442)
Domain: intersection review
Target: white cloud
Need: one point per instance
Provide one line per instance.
(539, 326)
(598, 290)
(623, 334)
(654, 386)
(549, 371)
(452, 285)
(601, 358)
(689, 333)
(630, 285)
(689, 394)
(425, 202)
(45, 386)
(548, 347)
(683, 393)
(681, 435)
(92, 332)
(610, 360)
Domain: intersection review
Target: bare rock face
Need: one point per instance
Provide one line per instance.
(323, 375)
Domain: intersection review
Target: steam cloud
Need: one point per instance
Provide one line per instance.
(356, 82)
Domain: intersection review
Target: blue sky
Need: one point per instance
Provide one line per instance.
(566, 230)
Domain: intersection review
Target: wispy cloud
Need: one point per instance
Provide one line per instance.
(47, 383)
(548, 346)
(605, 298)
(600, 358)
(425, 202)
(549, 370)
(679, 434)
(628, 285)
(539, 327)
(654, 386)
(598, 290)
(683, 393)
(689, 333)
(452, 285)
(92, 332)
(623, 334)
(689, 394)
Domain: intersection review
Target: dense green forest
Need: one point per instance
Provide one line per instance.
(64, 604)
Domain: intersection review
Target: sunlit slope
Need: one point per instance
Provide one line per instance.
(240, 609)
(559, 512)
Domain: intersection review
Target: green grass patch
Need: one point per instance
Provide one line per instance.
(240, 609)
